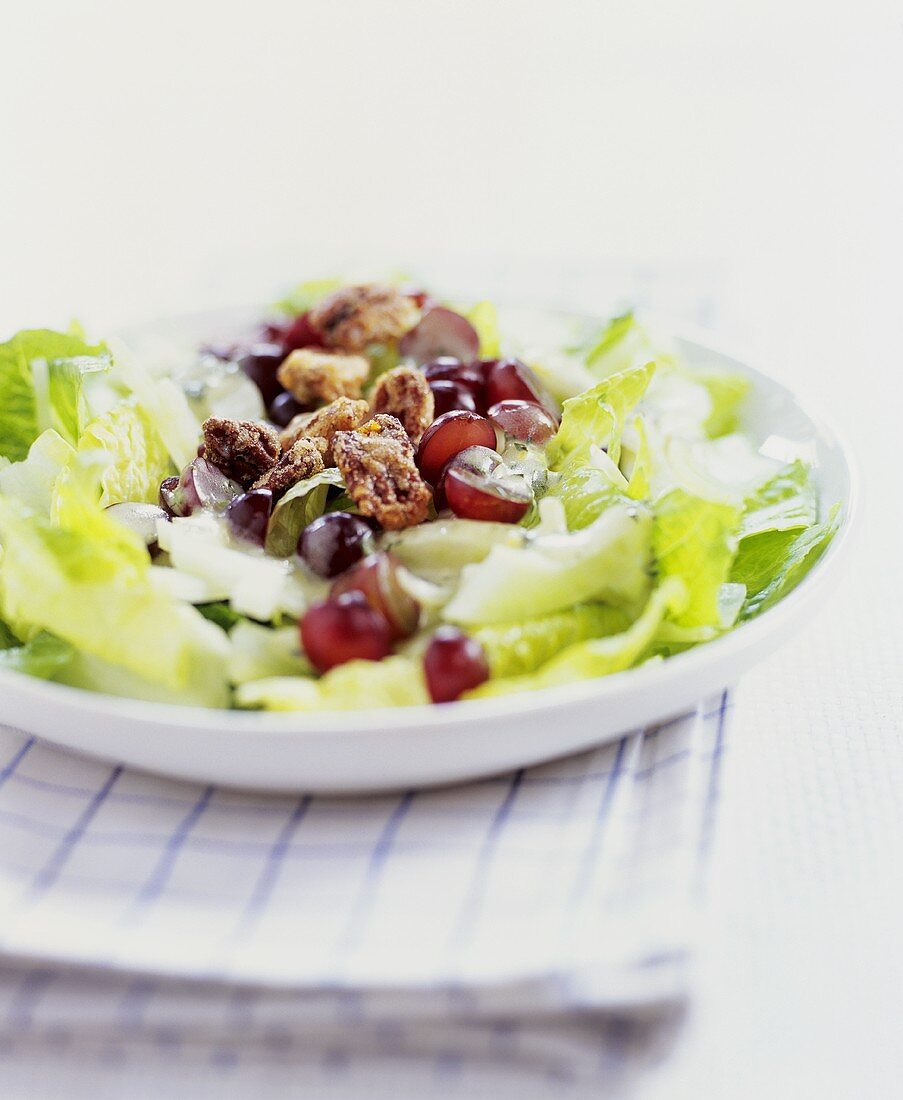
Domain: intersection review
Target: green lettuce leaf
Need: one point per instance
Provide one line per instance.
(727, 393)
(622, 344)
(135, 457)
(518, 648)
(44, 656)
(585, 492)
(85, 579)
(485, 320)
(33, 479)
(260, 653)
(597, 417)
(695, 540)
(778, 563)
(599, 656)
(41, 378)
(788, 501)
(606, 562)
(301, 505)
(356, 685)
(306, 295)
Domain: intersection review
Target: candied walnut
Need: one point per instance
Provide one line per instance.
(302, 460)
(356, 316)
(312, 376)
(242, 449)
(405, 394)
(341, 415)
(377, 463)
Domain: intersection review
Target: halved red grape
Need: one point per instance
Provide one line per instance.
(248, 515)
(478, 485)
(344, 629)
(139, 518)
(334, 542)
(376, 578)
(441, 332)
(448, 396)
(200, 485)
(453, 663)
(260, 363)
(447, 369)
(300, 334)
(524, 420)
(283, 409)
(448, 435)
(512, 380)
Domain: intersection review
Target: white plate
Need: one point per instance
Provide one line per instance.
(417, 746)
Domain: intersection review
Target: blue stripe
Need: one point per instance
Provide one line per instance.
(51, 871)
(364, 901)
(156, 884)
(16, 760)
(263, 891)
(711, 799)
(594, 844)
(471, 907)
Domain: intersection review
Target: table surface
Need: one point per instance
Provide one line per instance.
(743, 169)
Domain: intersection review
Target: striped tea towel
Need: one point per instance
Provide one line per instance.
(512, 921)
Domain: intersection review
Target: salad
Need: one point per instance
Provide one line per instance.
(375, 498)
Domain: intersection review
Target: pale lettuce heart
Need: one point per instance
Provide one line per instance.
(357, 685)
(603, 656)
(607, 561)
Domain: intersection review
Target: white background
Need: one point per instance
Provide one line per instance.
(171, 156)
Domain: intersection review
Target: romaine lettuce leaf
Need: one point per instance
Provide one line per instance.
(585, 493)
(44, 656)
(778, 560)
(518, 648)
(622, 345)
(727, 393)
(41, 378)
(301, 505)
(607, 561)
(32, 480)
(597, 417)
(259, 653)
(438, 551)
(599, 656)
(484, 319)
(306, 295)
(162, 402)
(695, 540)
(357, 685)
(85, 579)
(135, 457)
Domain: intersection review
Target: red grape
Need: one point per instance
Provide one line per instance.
(300, 334)
(453, 663)
(447, 369)
(201, 485)
(344, 629)
(376, 578)
(248, 515)
(512, 380)
(284, 409)
(260, 363)
(441, 332)
(448, 396)
(478, 485)
(525, 420)
(334, 542)
(447, 436)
